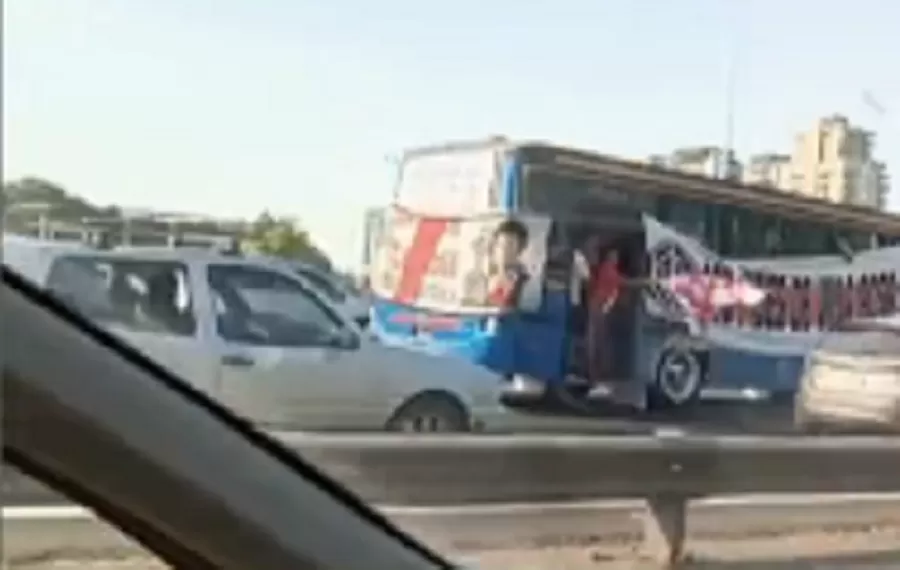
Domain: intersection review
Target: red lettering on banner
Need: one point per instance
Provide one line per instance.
(815, 305)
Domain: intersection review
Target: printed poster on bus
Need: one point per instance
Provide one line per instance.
(461, 265)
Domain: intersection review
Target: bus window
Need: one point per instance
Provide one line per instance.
(725, 230)
(858, 241)
(747, 238)
(564, 195)
(800, 238)
(689, 218)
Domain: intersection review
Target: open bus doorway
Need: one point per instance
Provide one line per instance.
(602, 343)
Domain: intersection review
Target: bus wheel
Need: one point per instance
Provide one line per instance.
(679, 378)
(431, 412)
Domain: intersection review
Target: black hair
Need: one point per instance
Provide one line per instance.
(514, 228)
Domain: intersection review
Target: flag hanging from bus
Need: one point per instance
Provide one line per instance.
(482, 264)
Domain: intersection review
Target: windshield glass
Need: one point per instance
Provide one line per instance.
(327, 285)
(469, 219)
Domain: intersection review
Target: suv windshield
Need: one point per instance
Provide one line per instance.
(328, 286)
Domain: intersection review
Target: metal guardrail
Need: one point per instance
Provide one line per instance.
(667, 472)
(454, 469)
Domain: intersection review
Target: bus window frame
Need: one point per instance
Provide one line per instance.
(648, 197)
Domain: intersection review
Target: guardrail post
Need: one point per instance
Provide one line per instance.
(665, 529)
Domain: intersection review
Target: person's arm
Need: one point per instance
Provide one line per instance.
(607, 307)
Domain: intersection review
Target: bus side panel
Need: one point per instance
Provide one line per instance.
(466, 337)
(729, 369)
(738, 369)
(540, 339)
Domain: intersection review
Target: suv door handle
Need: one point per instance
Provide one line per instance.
(239, 360)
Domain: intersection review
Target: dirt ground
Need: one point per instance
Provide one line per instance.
(870, 550)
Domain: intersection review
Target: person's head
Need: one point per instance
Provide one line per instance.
(163, 289)
(509, 241)
(611, 256)
(595, 248)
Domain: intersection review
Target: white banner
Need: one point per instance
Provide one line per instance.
(681, 289)
(452, 182)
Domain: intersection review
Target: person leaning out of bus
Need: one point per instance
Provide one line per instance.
(507, 273)
(605, 290)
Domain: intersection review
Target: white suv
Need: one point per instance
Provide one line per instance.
(262, 340)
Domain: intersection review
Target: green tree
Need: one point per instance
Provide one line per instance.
(31, 196)
(282, 236)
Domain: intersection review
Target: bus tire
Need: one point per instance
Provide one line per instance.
(679, 377)
(430, 412)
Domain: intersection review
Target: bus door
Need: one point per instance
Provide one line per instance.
(594, 239)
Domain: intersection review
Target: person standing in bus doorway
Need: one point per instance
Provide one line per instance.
(507, 273)
(605, 289)
(579, 279)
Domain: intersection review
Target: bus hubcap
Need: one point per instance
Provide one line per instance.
(679, 376)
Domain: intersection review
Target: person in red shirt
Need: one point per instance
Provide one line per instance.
(605, 289)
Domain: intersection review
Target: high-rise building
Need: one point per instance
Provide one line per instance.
(772, 170)
(834, 161)
(710, 161)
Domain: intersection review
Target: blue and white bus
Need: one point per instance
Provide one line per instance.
(431, 283)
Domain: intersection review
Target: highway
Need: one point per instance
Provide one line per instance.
(37, 534)
(40, 527)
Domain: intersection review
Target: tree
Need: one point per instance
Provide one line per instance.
(29, 198)
(31, 195)
(283, 237)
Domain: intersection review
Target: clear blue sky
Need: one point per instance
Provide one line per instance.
(233, 106)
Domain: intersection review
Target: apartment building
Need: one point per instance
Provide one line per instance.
(834, 161)
(711, 161)
(773, 170)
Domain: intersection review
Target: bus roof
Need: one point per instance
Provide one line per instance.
(632, 175)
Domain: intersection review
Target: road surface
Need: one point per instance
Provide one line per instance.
(744, 533)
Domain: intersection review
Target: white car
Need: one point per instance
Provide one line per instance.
(262, 341)
(852, 380)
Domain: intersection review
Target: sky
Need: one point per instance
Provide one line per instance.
(230, 107)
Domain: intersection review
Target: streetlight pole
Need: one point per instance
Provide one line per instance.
(872, 103)
(730, 112)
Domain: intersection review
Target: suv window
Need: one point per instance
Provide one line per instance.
(322, 282)
(263, 307)
(145, 296)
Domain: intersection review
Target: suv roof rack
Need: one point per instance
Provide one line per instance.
(113, 233)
